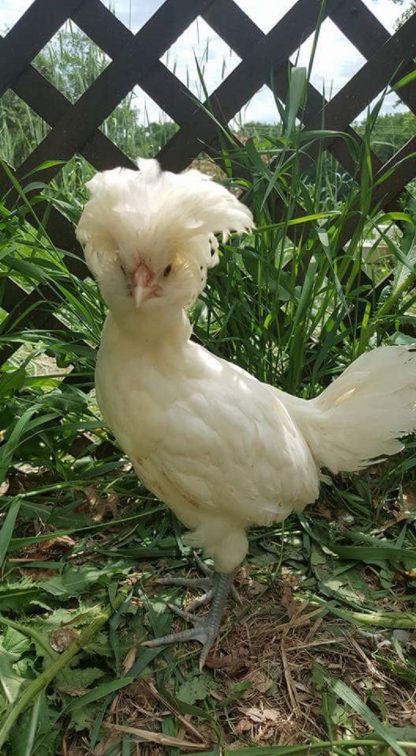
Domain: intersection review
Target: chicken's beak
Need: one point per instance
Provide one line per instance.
(140, 293)
(141, 283)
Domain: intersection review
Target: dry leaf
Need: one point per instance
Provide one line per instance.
(51, 546)
(287, 600)
(234, 663)
(255, 588)
(130, 659)
(102, 506)
(244, 725)
(262, 716)
(62, 638)
(271, 715)
(255, 714)
(259, 680)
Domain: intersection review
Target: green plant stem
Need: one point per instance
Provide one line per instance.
(379, 619)
(311, 747)
(401, 620)
(41, 682)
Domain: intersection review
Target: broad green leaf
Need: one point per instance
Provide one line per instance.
(195, 688)
(10, 681)
(12, 381)
(79, 679)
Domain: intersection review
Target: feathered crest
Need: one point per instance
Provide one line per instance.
(157, 211)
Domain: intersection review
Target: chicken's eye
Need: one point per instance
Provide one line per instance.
(167, 270)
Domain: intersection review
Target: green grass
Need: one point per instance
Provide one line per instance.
(321, 653)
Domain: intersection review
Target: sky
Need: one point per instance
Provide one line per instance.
(336, 60)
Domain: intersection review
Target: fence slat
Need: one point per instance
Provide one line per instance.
(241, 35)
(160, 84)
(51, 105)
(388, 63)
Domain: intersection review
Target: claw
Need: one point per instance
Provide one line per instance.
(193, 633)
(236, 596)
(202, 582)
(202, 632)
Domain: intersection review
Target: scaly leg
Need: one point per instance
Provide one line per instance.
(205, 629)
(206, 582)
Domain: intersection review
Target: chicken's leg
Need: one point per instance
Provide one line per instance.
(205, 629)
(207, 582)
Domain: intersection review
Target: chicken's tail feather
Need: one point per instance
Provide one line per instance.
(363, 413)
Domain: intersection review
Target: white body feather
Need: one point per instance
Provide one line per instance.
(216, 445)
(225, 451)
(363, 413)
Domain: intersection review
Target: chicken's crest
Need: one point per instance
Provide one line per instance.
(156, 226)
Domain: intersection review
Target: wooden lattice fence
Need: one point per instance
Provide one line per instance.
(136, 60)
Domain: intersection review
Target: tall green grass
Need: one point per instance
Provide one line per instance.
(287, 302)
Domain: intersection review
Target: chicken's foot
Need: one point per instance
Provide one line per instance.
(206, 582)
(205, 629)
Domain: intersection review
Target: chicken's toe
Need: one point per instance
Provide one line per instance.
(206, 628)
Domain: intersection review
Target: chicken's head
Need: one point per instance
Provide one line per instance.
(149, 235)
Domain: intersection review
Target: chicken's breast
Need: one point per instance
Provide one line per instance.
(210, 440)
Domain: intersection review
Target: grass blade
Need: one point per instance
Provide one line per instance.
(354, 701)
(7, 529)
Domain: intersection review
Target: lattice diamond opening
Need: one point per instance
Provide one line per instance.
(71, 61)
(200, 59)
(260, 109)
(133, 15)
(138, 126)
(387, 13)
(335, 62)
(392, 128)
(378, 249)
(331, 187)
(11, 12)
(264, 13)
(21, 129)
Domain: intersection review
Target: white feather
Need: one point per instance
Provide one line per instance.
(219, 447)
(155, 211)
(363, 413)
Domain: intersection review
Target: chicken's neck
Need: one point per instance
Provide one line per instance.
(147, 330)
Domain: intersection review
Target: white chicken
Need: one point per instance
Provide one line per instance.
(222, 450)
